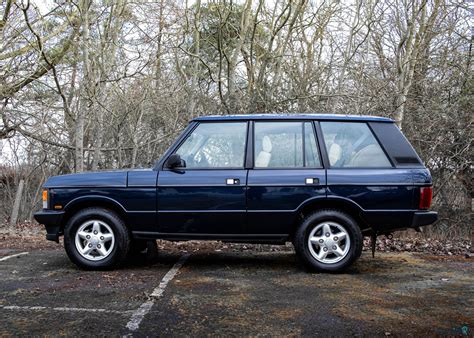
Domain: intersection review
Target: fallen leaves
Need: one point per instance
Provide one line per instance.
(432, 246)
(30, 235)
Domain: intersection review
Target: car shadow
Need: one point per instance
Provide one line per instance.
(249, 260)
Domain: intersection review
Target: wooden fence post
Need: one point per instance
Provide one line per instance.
(16, 204)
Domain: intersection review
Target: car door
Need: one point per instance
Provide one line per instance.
(208, 195)
(360, 170)
(287, 172)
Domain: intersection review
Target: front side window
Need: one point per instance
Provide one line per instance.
(285, 145)
(352, 144)
(215, 145)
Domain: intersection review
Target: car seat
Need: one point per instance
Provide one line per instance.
(335, 153)
(369, 156)
(264, 156)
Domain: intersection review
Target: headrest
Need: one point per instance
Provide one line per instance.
(266, 144)
(335, 152)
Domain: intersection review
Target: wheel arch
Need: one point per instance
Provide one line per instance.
(91, 201)
(331, 202)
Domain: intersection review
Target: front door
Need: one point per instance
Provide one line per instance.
(208, 195)
(287, 172)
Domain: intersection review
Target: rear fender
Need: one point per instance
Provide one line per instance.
(332, 202)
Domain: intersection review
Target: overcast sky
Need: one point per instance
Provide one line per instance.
(43, 5)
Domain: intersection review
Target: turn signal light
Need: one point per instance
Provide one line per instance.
(426, 195)
(45, 199)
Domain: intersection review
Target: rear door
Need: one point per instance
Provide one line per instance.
(360, 170)
(208, 196)
(286, 171)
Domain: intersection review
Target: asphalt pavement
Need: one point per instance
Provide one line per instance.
(234, 293)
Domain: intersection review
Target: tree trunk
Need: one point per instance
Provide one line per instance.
(16, 204)
(161, 25)
(231, 87)
(79, 134)
(194, 76)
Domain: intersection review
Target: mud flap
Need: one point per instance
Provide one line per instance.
(373, 241)
(151, 250)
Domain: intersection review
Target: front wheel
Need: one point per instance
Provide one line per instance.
(328, 240)
(96, 238)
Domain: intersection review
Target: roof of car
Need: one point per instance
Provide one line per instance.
(329, 117)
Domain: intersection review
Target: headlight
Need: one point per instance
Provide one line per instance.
(45, 198)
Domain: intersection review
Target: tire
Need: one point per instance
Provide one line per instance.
(328, 253)
(102, 237)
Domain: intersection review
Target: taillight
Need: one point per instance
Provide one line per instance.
(426, 195)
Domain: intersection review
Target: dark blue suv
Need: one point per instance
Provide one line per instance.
(320, 181)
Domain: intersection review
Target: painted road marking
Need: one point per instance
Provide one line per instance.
(142, 311)
(63, 309)
(11, 256)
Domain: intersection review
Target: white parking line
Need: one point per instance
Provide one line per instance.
(11, 256)
(63, 309)
(142, 311)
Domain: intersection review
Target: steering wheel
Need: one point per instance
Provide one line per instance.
(202, 162)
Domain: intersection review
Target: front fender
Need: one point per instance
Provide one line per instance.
(93, 199)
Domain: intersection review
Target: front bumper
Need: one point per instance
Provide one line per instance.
(52, 221)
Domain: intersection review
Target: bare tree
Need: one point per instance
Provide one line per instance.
(87, 85)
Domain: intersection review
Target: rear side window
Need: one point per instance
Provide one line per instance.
(396, 145)
(285, 145)
(352, 144)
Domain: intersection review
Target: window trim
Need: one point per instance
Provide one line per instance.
(318, 147)
(187, 135)
(249, 146)
(328, 166)
(249, 158)
(321, 166)
(303, 143)
(321, 144)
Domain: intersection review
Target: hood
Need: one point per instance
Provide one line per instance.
(91, 179)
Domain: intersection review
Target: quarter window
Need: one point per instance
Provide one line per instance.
(352, 144)
(215, 145)
(285, 145)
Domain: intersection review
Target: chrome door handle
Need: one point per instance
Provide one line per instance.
(232, 181)
(311, 180)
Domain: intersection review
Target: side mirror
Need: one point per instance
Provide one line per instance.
(175, 161)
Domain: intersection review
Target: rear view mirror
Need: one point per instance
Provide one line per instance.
(175, 161)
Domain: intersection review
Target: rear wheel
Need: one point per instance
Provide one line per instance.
(96, 238)
(328, 240)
